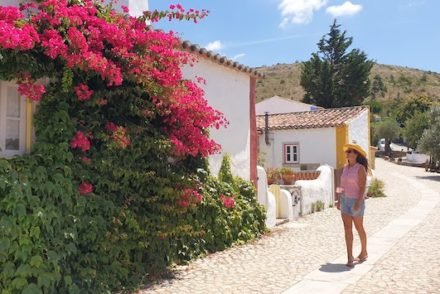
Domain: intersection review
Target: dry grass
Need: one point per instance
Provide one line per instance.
(283, 80)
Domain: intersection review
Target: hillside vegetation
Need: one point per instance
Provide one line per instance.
(284, 80)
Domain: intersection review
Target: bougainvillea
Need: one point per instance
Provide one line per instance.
(189, 197)
(85, 188)
(74, 33)
(28, 88)
(83, 92)
(117, 184)
(228, 202)
(80, 141)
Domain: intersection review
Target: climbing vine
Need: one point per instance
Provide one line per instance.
(116, 187)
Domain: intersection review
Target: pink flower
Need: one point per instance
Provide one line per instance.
(86, 160)
(77, 39)
(189, 196)
(111, 126)
(80, 141)
(228, 202)
(30, 90)
(83, 92)
(124, 8)
(85, 188)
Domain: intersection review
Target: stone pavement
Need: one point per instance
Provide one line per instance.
(307, 256)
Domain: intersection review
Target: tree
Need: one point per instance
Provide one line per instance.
(388, 129)
(408, 107)
(430, 140)
(377, 87)
(334, 78)
(414, 128)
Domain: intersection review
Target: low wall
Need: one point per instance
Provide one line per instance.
(320, 190)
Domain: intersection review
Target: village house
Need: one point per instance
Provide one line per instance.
(306, 140)
(277, 104)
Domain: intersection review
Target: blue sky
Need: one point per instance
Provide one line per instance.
(266, 32)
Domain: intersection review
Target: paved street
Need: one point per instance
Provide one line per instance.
(307, 256)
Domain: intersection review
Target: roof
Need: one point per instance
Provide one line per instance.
(277, 104)
(325, 118)
(217, 58)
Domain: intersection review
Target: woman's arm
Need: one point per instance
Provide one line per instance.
(362, 181)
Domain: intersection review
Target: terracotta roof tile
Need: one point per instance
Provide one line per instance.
(223, 60)
(311, 119)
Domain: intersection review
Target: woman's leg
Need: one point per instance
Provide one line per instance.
(348, 229)
(359, 224)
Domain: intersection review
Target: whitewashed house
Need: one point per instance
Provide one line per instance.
(230, 88)
(306, 140)
(277, 104)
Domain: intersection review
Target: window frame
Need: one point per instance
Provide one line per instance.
(4, 85)
(287, 145)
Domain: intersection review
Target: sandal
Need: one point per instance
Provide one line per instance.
(350, 263)
(362, 258)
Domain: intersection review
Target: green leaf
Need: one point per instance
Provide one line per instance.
(20, 210)
(35, 232)
(36, 261)
(45, 280)
(19, 283)
(32, 289)
(4, 244)
(52, 255)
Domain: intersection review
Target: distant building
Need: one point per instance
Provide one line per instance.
(305, 140)
(278, 104)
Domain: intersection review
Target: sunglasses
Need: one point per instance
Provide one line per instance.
(350, 151)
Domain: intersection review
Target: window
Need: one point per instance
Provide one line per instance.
(12, 120)
(291, 153)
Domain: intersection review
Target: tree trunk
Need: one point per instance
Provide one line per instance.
(388, 147)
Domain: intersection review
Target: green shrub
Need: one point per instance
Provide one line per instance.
(136, 221)
(319, 205)
(376, 189)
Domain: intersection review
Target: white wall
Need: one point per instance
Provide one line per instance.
(281, 105)
(9, 2)
(321, 189)
(136, 7)
(358, 131)
(315, 146)
(228, 91)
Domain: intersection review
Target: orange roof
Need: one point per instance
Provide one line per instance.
(219, 59)
(325, 118)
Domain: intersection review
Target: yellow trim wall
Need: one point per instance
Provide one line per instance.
(29, 115)
(341, 140)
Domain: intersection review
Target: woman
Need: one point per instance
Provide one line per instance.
(351, 200)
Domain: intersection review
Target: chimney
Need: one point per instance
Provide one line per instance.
(266, 127)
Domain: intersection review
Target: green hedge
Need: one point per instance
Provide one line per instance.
(54, 240)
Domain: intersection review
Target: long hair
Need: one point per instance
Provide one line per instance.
(362, 160)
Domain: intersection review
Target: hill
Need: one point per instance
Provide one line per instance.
(283, 80)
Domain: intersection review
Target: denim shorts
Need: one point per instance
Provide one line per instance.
(347, 206)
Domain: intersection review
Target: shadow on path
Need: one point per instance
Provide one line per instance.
(430, 177)
(335, 268)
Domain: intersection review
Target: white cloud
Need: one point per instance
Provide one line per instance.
(347, 8)
(299, 11)
(238, 56)
(214, 46)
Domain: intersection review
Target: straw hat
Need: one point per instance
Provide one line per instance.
(355, 147)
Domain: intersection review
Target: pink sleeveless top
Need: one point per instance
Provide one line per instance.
(349, 181)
